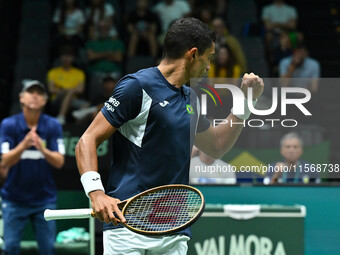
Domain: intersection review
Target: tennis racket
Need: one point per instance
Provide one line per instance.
(158, 211)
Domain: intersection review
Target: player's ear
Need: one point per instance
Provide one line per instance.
(191, 54)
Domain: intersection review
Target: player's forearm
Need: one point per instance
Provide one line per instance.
(86, 154)
(218, 140)
(54, 158)
(226, 134)
(13, 156)
(86, 149)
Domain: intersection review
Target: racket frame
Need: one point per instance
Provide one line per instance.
(125, 204)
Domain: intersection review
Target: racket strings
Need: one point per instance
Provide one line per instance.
(163, 210)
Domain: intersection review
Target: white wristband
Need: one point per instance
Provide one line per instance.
(91, 181)
(247, 112)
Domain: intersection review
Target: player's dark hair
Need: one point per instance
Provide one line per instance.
(185, 34)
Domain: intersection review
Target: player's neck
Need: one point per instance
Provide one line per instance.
(31, 117)
(174, 71)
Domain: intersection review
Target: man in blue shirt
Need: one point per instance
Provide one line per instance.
(31, 144)
(301, 70)
(154, 120)
(292, 169)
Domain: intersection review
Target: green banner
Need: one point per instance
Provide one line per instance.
(280, 232)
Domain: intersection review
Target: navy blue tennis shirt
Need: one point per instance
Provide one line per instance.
(156, 123)
(30, 181)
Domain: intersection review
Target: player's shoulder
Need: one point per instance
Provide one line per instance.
(128, 87)
(129, 81)
(142, 78)
(145, 73)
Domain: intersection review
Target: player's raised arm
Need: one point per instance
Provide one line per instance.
(218, 140)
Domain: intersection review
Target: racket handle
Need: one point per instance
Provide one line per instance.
(68, 214)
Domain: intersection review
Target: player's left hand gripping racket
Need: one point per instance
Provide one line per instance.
(159, 211)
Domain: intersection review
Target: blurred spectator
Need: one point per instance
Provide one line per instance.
(207, 170)
(104, 53)
(88, 114)
(70, 20)
(288, 41)
(105, 57)
(215, 7)
(142, 26)
(66, 85)
(99, 10)
(31, 145)
(224, 37)
(277, 16)
(299, 65)
(205, 13)
(224, 65)
(170, 10)
(292, 169)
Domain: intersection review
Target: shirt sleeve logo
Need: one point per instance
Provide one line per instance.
(111, 104)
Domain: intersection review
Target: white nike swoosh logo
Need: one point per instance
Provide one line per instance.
(164, 103)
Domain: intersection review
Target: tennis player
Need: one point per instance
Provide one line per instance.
(151, 116)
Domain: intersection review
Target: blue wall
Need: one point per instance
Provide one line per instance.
(322, 223)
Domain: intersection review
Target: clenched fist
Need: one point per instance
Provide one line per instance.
(252, 81)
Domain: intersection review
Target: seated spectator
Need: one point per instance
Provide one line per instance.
(299, 65)
(292, 169)
(224, 65)
(223, 37)
(207, 170)
(279, 15)
(288, 42)
(276, 17)
(70, 21)
(99, 10)
(105, 56)
(66, 85)
(142, 26)
(88, 114)
(168, 11)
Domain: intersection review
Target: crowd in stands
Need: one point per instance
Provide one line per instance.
(95, 43)
(95, 40)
